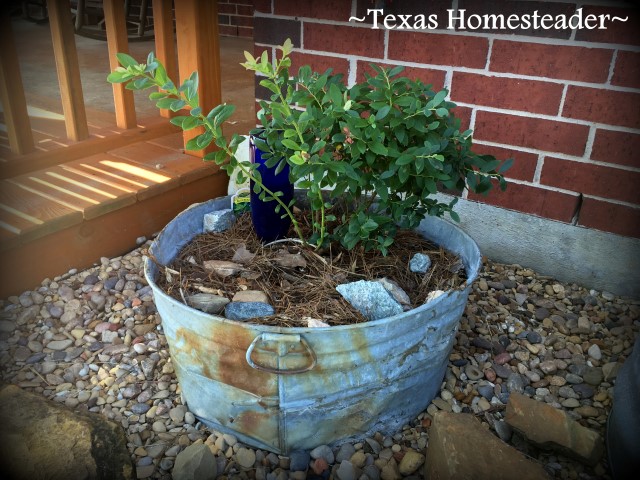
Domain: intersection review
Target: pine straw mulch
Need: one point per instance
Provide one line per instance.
(297, 293)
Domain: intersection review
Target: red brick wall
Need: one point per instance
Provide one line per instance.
(565, 104)
(235, 18)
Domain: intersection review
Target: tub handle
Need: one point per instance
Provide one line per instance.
(284, 343)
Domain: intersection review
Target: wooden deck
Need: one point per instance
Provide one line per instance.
(72, 189)
(69, 215)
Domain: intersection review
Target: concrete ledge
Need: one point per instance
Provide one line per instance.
(594, 259)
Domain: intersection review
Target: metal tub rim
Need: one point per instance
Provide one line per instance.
(151, 270)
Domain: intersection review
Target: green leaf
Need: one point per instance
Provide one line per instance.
(179, 120)
(290, 144)
(126, 60)
(438, 98)
(378, 148)
(404, 159)
(119, 77)
(383, 112)
(506, 165)
(442, 112)
(165, 103)
(191, 123)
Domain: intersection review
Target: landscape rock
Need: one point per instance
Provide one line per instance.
(289, 260)
(549, 427)
(242, 255)
(39, 436)
(250, 296)
(223, 268)
(411, 461)
(196, 462)
(459, 447)
(247, 310)
(370, 298)
(218, 220)
(419, 263)
(208, 302)
(398, 294)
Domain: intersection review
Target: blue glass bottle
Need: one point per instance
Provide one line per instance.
(268, 224)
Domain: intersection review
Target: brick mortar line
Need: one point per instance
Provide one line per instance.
(489, 51)
(537, 174)
(542, 116)
(561, 156)
(477, 71)
(563, 97)
(495, 36)
(590, 139)
(612, 67)
(542, 186)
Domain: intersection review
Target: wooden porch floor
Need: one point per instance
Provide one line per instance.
(70, 215)
(69, 203)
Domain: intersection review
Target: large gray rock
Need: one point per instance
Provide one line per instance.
(208, 302)
(247, 310)
(41, 439)
(420, 263)
(370, 298)
(196, 462)
(218, 221)
(460, 447)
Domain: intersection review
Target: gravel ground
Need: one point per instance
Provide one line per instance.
(93, 340)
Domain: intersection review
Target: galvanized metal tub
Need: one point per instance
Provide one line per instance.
(282, 389)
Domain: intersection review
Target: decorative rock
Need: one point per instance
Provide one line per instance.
(398, 294)
(299, 461)
(59, 344)
(222, 268)
(246, 458)
(247, 310)
(251, 296)
(242, 255)
(459, 447)
(346, 471)
(289, 260)
(473, 372)
(419, 263)
(207, 302)
(411, 461)
(547, 426)
(196, 462)
(594, 352)
(323, 451)
(370, 298)
(345, 452)
(218, 220)
(534, 337)
(39, 436)
(390, 471)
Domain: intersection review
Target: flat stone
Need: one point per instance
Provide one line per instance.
(346, 471)
(223, 268)
(251, 296)
(323, 451)
(218, 220)
(398, 294)
(549, 427)
(289, 260)
(208, 302)
(370, 298)
(38, 436)
(460, 447)
(196, 462)
(59, 344)
(419, 263)
(594, 352)
(242, 255)
(299, 460)
(247, 310)
(345, 452)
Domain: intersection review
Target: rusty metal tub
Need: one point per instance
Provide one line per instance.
(283, 389)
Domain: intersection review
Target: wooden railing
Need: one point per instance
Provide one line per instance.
(196, 41)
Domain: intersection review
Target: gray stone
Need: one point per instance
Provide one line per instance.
(346, 471)
(196, 462)
(398, 294)
(534, 337)
(246, 458)
(247, 310)
(370, 298)
(323, 451)
(299, 460)
(59, 344)
(207, 302)
(218, 220)
(503, 429)
(39, 436)
(345, 452)
(140, 408)
(419, 263)
(515, 383)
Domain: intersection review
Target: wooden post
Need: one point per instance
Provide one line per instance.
(66, 55)
(14, 104)
(165, 40)
(117, 42)
(199, 49)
